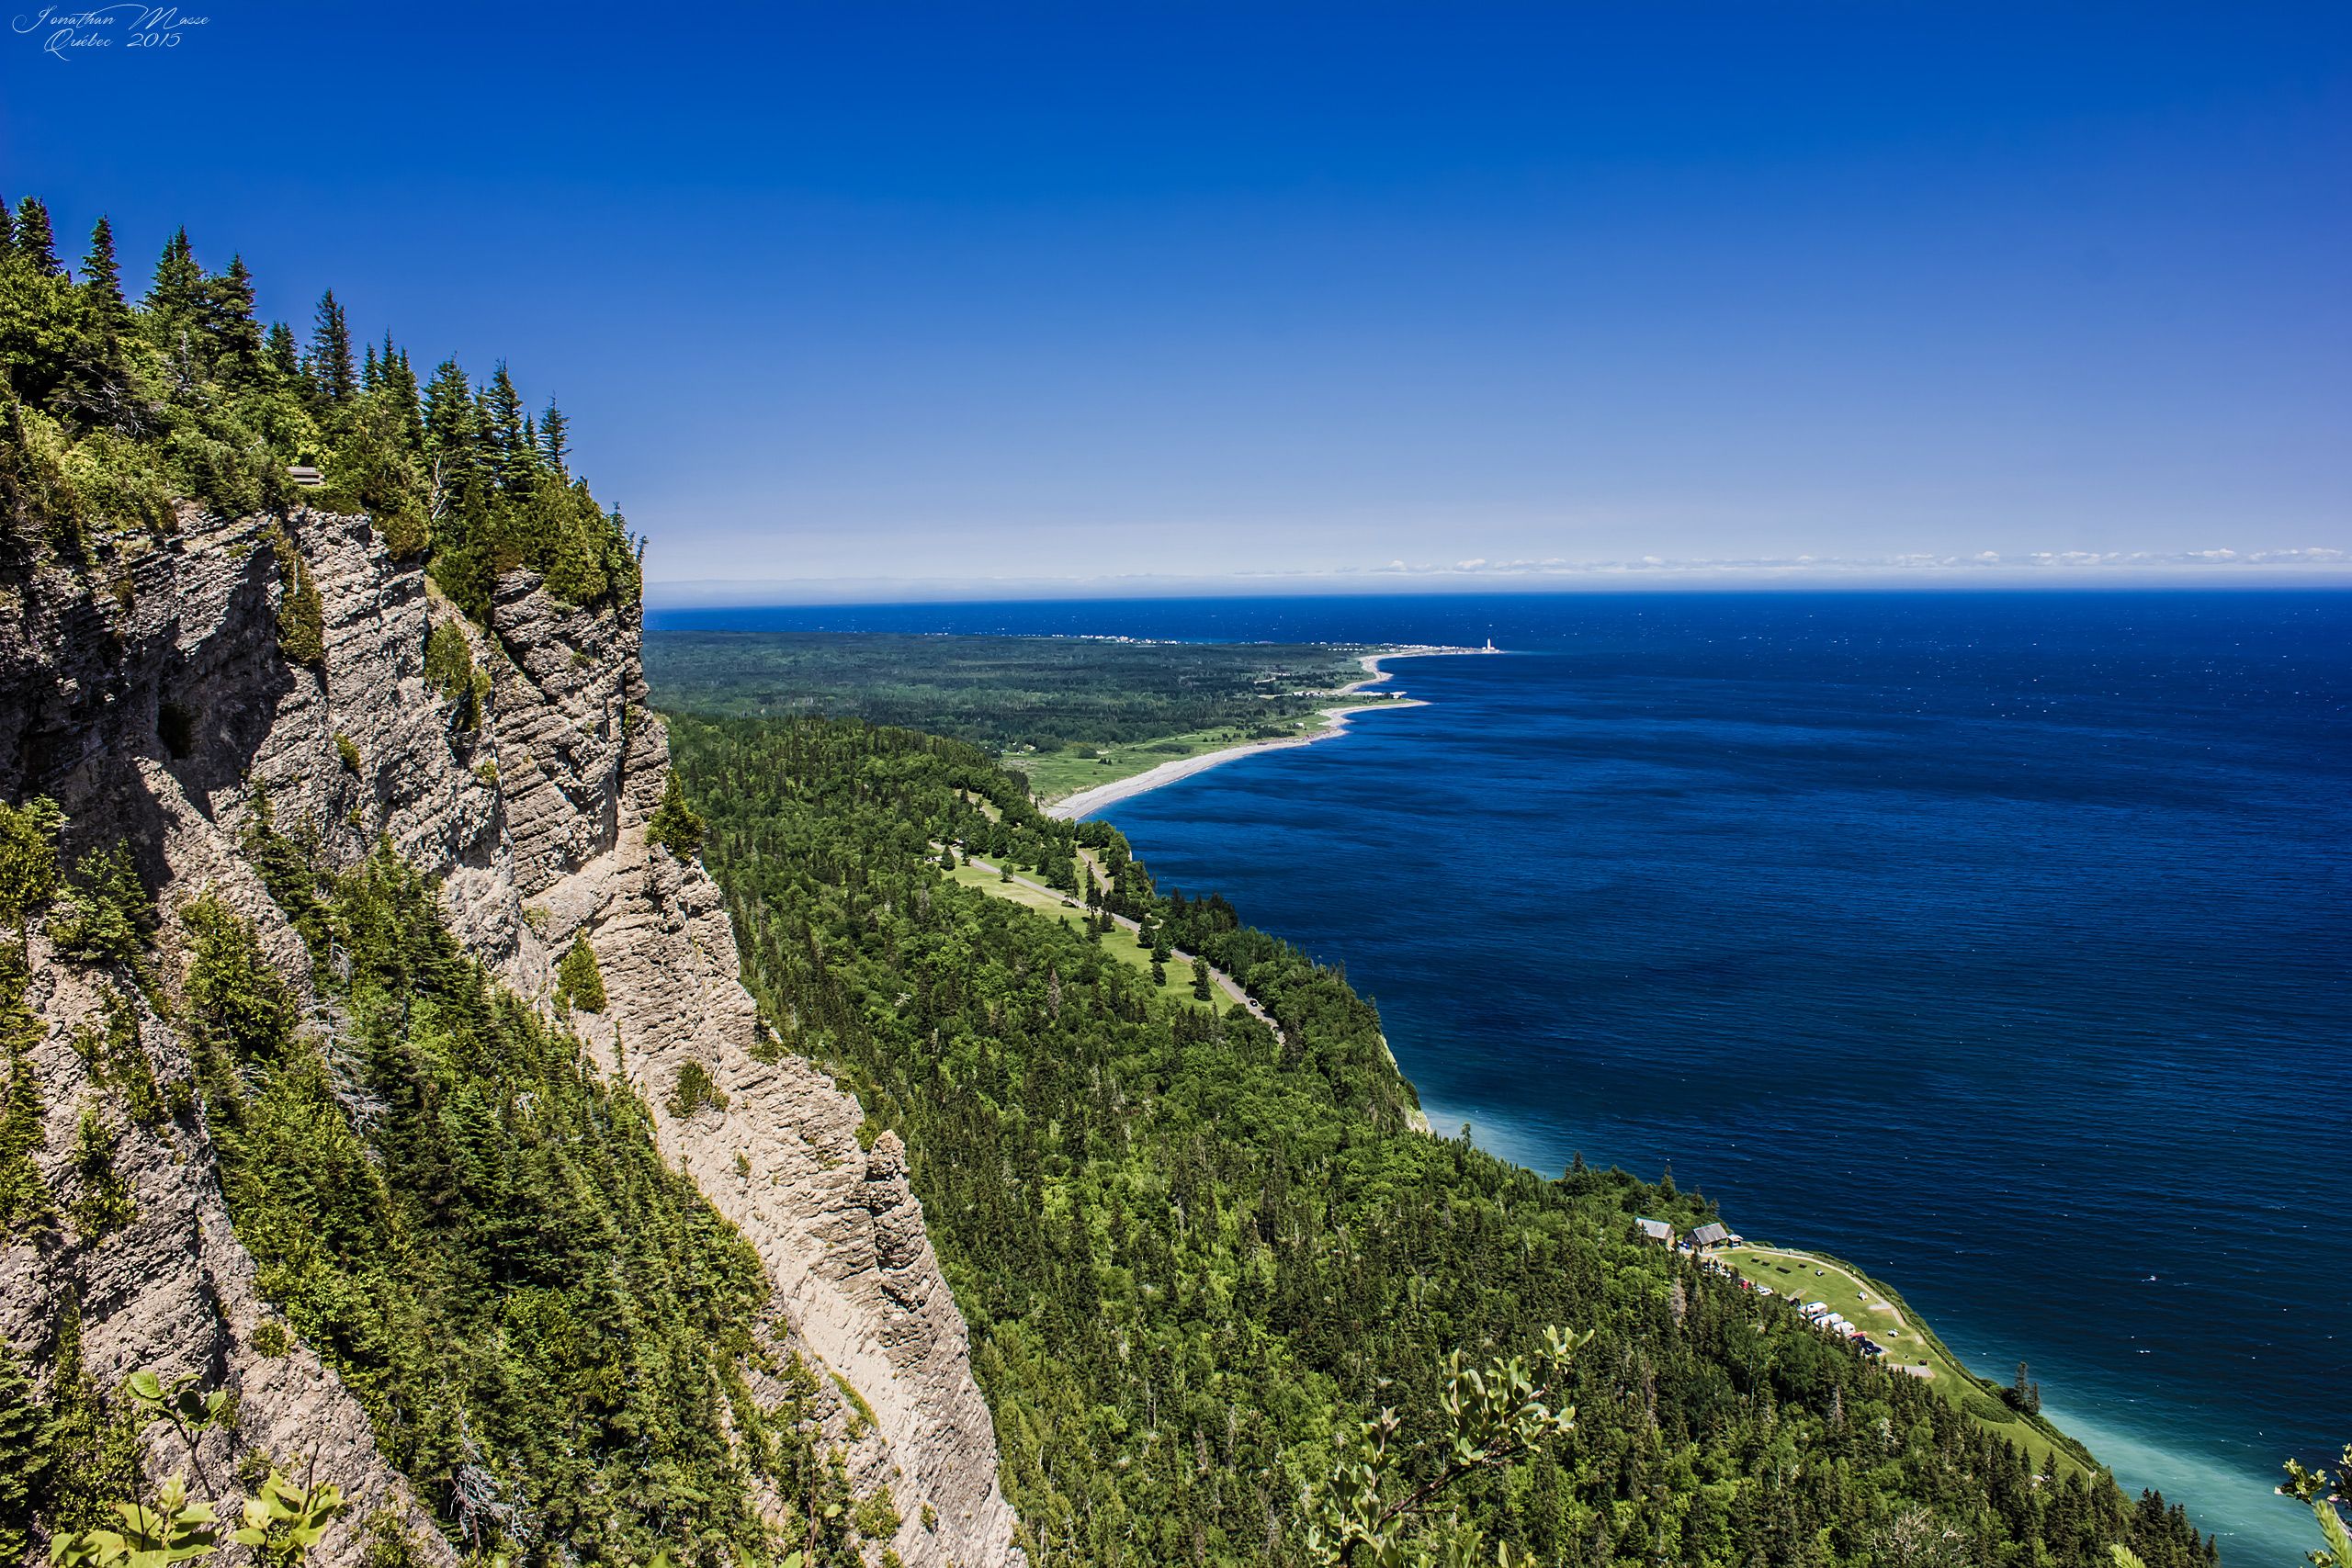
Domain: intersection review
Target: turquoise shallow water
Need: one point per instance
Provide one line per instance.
(1999, 943)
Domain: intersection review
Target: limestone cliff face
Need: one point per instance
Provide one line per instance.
(147, 693)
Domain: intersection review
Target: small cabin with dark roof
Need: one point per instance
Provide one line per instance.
(1714, 1234)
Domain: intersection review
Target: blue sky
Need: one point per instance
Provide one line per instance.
(876, 294)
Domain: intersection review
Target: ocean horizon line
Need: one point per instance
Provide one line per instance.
(717, 594)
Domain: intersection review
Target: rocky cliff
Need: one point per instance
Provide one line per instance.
(147, 693)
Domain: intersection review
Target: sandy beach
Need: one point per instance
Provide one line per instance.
(1335, 720)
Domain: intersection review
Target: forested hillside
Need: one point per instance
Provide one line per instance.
(115, 409)
(1078, 695)
(1190, 1248)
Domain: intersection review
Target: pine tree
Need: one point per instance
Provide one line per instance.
(285, 359)
(449, 422)
(574, 570)
(675, 825)
(503, 407)
(452, 441)
(578, 982)
(400, 387)
(333, 382)
(102, 278)
(233, 338)
(555, 440)
(34, 241)
(172, 299)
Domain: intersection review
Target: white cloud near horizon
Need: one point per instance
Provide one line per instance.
(2317, 567)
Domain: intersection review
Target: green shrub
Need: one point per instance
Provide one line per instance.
(229, 482)
(105, 1202)
(302, 614)
(876, 1517)
(449, 670)
(694, 1090)
(121, 481)
(675, 825)
(107, 916)
(861, 1415)
(35, 482)
(577, 981)
(349, 752)
(116, 1059)
(25, 1201)
(28, 856)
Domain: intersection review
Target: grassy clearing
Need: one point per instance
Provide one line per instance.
(1053, 775)
(1887, 1318)
(1120, 944)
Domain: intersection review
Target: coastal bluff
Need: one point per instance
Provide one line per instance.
(146, 690)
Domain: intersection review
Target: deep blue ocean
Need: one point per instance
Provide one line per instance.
(1998, 942)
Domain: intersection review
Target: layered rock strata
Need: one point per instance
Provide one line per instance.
(146, 691)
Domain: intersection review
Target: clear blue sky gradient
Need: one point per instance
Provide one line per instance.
(878, 292)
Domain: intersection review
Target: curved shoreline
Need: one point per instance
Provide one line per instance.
(1335, 721)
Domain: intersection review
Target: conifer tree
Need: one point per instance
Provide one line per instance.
(172, 299)
(285, 360)
(449, 422)
(399, 388)
(102, 278)
(574, 570)
(555, 440)
(333, 382)
(503, 406)
(233, 340)
(34, 240)
(452, 439)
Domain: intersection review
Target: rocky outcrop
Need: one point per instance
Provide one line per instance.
(146, 691)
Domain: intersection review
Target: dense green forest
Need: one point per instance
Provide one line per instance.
(115, 409)
(1001, 693)
(1191, 1249)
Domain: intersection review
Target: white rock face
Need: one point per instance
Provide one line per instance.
(155, 708)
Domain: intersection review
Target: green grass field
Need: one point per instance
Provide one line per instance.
(1120, 944)
(1888, 1319)
(1053, 775)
